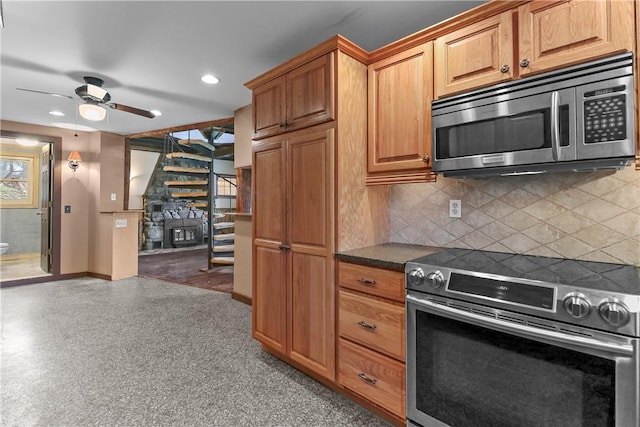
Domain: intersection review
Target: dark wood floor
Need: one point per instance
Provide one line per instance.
(184, 268)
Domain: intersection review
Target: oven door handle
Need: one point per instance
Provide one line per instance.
(523, 330)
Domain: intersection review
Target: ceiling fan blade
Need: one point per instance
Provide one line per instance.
(46, 93)
(132, 110)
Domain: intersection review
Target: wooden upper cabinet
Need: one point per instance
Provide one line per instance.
(269, 108)
(476, 55)
(301, 98)
(310, 94)
(556, 34)
(399, 103)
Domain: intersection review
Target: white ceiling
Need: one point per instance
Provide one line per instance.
(151, 54)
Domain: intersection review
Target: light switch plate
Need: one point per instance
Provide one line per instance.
(455, 209)
(113, 197)
(121, 223)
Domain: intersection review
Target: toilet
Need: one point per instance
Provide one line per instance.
(4, 247)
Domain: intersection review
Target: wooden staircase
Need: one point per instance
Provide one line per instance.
(190, 164)
(222, 251)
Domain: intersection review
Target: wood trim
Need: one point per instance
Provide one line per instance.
(402, 178)
(42, 279)
(464, 19)
(337, 42)
(99, 276)
(393, 419)
(241, 298)
(162, 132)
(127, 172)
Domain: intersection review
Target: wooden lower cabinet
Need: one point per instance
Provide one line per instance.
(372, 322)
(293, 303)
(375, 377)
(371, 329)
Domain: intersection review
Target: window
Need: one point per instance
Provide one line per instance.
(18, 180)
(226, 186)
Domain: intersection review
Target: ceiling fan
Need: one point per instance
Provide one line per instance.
(94, 96)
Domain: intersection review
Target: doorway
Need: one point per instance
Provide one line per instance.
(29, 227)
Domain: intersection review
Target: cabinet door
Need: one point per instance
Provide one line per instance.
(476, 55)
(269, 260)
(310, 95)
(269, 108)
(310, 230)
(554, 34)
(399, 100)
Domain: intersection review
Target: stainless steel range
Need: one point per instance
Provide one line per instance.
(496, 339)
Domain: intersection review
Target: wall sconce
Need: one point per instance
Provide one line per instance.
(74, 160)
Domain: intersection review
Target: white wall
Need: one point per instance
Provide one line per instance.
(142, 166)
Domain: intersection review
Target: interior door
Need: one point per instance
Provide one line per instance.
(45, 208)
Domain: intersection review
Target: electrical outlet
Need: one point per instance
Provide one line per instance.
(455, 209)
(121, 223)
(113, 197)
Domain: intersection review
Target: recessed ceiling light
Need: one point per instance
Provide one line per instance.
(56, 113)
(156, 113)
(209, 79)
(27, 142)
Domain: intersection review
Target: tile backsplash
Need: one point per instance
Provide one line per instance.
(590, 216)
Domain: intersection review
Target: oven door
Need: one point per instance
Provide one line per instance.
(538, 128)
(469, 365)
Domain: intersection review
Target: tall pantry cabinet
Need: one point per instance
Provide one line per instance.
(309, 198)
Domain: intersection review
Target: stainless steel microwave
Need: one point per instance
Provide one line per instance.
(575, 119)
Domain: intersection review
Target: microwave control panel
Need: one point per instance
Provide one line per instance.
(604, 118)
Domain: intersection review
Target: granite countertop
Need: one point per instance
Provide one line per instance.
(391, 256)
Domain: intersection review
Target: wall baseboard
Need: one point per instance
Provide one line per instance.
(241, 298)
(42, 279)
(99, 276)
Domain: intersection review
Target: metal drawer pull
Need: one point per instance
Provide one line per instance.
(367, 326)
(367, 379)
(367, 281)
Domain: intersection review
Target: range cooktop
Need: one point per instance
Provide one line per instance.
(599, 295)
(615, 278)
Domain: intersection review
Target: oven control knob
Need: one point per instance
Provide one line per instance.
(415, 277)
(435, 280)
(614, 313)
(577, 306)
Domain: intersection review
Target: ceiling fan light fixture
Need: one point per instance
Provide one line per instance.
(96, 92)
(92, 112)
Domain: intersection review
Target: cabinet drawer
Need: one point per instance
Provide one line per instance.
(371, 322)
(375, 377)
(375, 281)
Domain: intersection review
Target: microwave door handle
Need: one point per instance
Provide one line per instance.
(555, 125)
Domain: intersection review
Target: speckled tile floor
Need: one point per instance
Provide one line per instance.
(139, 352)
